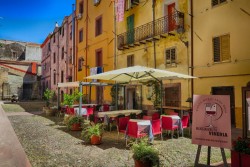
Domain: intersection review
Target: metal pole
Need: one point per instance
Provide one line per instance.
(80, 100)
(58, 97)
(153, 6)
(116, 96)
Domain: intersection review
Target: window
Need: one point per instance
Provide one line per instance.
(48, 46)
(218, 2)
(54, 77)
(62, 76)
(70, 34)
(70, 57)
(80, 64)
(62, 52)
(62, 30)
(221, 48)
(80, 35)
(130, 60)
(54, 57)
(98, 56)
(98, 26)
(81, 7)
(170, 57)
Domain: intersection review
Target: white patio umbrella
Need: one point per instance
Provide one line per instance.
(138, 73)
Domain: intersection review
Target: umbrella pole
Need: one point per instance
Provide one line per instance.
(80, 103)
(116, 96)
(161, 95)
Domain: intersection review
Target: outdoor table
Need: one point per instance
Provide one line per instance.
(181, 109)
(117, 112)
(89, 105)
(83, 111)
(176, 121)
(143, 126)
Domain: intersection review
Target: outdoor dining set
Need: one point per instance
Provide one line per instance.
(132, 123)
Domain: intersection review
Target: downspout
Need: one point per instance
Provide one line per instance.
(73, 43)
(153, 6)
(67, 51)
(86, 62)
(192, 50)
(58, 57)
(115, 36)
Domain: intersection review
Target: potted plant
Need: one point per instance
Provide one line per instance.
(48, 94)
(70, 99)
(145, 155)
(240, 153)
(74, 122)
(93, 133)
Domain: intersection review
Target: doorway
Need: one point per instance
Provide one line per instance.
(131, 96)
(227, 90)
(170, 12)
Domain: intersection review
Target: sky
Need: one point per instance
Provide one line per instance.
(31, 20)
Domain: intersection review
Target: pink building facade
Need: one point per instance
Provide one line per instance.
(59, 57)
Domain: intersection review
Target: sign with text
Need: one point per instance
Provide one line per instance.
(211, 124)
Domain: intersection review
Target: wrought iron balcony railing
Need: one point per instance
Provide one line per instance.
(150, 31)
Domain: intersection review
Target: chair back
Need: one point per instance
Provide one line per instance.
(146, 117)
(156, 126)
(167, 123)
(184, 121)
(132, 129)
(105, 107)
(90, 111)
(70, 111)
(122, 123)
(155, 116)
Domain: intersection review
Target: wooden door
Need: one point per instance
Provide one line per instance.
(173, 95)
(130, 28)
(171, 17)
(131, 98)
(227, 90)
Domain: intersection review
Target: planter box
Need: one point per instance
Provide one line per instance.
(245, 160)
(235, 158)
(239, 159)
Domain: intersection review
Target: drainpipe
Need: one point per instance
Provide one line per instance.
(153, 7)
(115, 35)
(73, 43)
(86, 62)
(192, 50)
(67, 52)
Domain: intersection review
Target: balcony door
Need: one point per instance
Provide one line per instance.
(171, 16)
(130, 28)
(99, 64)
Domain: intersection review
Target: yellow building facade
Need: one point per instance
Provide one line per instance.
(155, 34)
(221, 50)
(94, 44)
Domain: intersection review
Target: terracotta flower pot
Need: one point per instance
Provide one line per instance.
(95, 140)
(76, 127)
(139, 163)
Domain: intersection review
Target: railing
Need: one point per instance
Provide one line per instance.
(163, 25)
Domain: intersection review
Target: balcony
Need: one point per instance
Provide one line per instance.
(160, 28)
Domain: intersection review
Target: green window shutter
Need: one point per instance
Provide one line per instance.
(130, 28)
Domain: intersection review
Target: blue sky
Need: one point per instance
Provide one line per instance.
(31, 20)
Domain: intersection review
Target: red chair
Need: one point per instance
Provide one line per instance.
(156, 127)
(105, 107)
(89, 112)
(145, 117)
(167, 124)
(185, 121)
(122, 123)
(155, 116)
(70, 111)
(132, 131)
